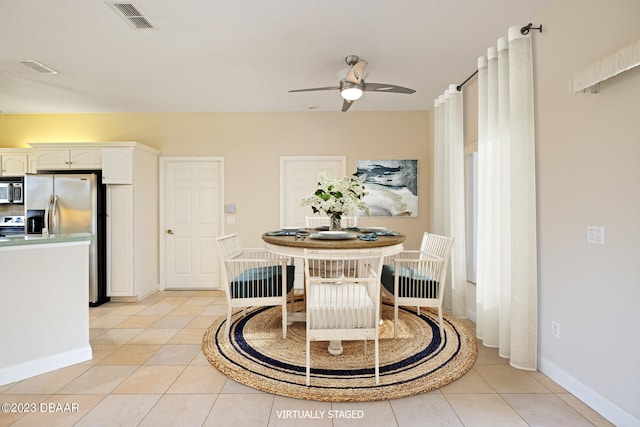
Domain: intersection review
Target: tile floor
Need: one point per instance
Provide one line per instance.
(148, 370)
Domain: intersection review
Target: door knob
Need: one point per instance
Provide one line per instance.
(169, 231)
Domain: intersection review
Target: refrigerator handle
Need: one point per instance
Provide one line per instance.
(47, 224)
(54, 208)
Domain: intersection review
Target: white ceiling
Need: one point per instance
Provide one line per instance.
(241, 55)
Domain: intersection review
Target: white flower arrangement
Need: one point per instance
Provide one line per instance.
(337, 196)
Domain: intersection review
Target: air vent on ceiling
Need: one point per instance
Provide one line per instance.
(41, 68)
(132, 15)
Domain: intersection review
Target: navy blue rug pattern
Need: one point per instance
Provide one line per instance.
(419, 360)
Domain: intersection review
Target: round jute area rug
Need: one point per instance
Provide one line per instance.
(419, 360)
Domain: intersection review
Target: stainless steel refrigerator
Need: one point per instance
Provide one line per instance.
(71, 202)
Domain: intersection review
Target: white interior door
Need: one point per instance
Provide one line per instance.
(192, 203)
(298, 178)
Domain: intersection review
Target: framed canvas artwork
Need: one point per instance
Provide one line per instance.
(392, 186)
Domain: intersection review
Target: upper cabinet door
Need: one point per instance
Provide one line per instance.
(85, 158)
(64, 158)
(14, 164)
(117, 165)
(52, 159)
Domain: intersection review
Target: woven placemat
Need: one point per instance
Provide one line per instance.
(419, 360)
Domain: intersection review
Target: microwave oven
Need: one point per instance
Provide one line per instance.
(11, 191)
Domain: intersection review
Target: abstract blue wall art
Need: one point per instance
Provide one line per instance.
(392, 186)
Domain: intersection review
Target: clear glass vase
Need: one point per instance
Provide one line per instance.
(334, 223)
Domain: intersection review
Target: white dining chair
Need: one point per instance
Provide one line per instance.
(254, 277)
(417, 277)
(323, 221)
(343, 298)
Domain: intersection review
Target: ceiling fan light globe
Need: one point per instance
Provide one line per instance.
(351, 93)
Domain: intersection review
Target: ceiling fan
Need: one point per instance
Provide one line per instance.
(353, 85)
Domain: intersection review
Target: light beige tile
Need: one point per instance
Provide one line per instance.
(116, 336)
(158, 309)
(365, 414)
(216, 310)
(99, 352)
(172, 322)
(98, 380)
(96, 332)
(198, 380)
(480, 410)
(61, 410)
(187, 310)
(489, 356)
(131, 354)
(200, 301)
(201, 321)
(545, 410)
(188, 336)
(471, 382)
(108, 321)
(176, 298)
(149, 380)
(130, 309)
(547, 382)
(505, 379)
(200, 360)
(180, 410)
(50, 382)
(255, 412)
(174, 354)
(210, 293)
(143, 322)
(119, 410)
(154, 336)
(430, 409)
(233, 387)
(595, 418)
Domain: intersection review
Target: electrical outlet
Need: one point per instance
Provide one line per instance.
(555, 329)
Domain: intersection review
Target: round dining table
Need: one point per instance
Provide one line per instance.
(292, 244)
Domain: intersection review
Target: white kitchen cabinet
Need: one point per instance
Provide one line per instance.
(117, 165)
(132, 229)
(63, 158)
(120, 241)
(14, 164)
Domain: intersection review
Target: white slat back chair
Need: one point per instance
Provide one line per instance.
(343, 298)
(320, 221)
(435, 244)
(254, 277)
(417, 278)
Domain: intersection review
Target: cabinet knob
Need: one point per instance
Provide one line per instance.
(169, 231)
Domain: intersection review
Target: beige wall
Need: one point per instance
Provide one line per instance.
(588, 148)
(587, 151)
(251, 145)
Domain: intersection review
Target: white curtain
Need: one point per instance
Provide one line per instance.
(449, 210)
(506, 292)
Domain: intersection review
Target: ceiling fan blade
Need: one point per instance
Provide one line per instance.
(345, 105)
(356, 73)
(381, 87)
(316, 88)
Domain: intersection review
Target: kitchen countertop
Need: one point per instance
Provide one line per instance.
(37, 239)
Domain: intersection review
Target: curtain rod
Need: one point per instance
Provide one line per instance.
(524, 31)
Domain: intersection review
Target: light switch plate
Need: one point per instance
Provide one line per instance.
(595, 234)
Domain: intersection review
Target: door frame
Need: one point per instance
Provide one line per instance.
(162, 202)
(285, 160)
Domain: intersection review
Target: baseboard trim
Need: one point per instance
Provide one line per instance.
(599, 403)
(43, 365)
